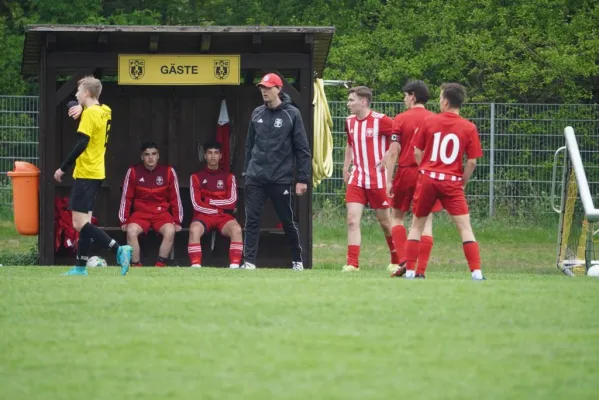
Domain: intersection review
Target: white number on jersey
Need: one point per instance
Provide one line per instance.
(440, 148)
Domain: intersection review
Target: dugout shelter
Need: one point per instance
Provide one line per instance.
(166, 84)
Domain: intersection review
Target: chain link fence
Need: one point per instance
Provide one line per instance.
(513, 177)
(18, 138)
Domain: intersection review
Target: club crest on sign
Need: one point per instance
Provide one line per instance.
(137, 68)
(159, 181)
(221, 69)
(220, 184)
(278, 122)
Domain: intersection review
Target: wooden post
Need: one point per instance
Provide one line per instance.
(47, 154)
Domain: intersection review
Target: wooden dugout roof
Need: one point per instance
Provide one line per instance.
(110, 40)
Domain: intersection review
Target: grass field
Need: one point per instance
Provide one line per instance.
(528, 332)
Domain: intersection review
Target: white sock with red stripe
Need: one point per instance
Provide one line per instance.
(195, 253)
(235, 252)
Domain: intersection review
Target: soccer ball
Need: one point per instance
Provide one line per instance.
(95, 261)
(593, 271)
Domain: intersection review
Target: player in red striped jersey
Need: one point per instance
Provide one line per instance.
(369, 135)
(401, 188)
(439, 149)
(153, 189)
(214, 198)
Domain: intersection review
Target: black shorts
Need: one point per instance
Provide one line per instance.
(83, 194)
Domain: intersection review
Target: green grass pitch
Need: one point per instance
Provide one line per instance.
(528, 332)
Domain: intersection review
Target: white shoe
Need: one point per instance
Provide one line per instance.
(248, 265)
(297, 266)
(234, 266)
(196, 266)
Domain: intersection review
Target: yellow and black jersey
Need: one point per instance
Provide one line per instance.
(95, 123)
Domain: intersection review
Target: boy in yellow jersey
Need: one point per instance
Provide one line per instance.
(88, 156)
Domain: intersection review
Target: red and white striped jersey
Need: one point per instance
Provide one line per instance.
(369, 139)
(212, 191)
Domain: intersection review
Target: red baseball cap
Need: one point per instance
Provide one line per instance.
(270, 80)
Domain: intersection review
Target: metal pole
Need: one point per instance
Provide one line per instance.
(492, 164)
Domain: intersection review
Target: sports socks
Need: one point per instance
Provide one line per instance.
(394, 257)
(424, 253)
(195, 253)
(472, 253)
(235, 252)
(99, 236)
(399, 235)
(353, 255)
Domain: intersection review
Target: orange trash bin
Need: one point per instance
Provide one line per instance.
(25, 185)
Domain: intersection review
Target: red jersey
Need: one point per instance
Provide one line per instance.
(405, 126)
(445, 138)
(369, 139)
(151, 192)
(212, 191)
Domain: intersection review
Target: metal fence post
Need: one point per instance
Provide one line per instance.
(492, 164)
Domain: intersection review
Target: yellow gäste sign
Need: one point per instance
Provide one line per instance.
(152, 69)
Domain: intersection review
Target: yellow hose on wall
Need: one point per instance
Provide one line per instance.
(322, 156)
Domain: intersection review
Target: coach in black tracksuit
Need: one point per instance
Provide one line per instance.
(276, 142)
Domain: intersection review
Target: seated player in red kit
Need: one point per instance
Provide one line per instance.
(153, 189)
(214, 197)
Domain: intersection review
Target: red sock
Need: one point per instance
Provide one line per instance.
(399, 235)
(411, 254)
(353, 255)
(472, 253)
(394, 258)
(424, 253)
(195, 253)
(235, 251)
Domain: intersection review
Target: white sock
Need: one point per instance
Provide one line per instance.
(477, 274)
(410, 273)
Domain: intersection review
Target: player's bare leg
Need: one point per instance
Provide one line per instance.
(233, 231)
(471, 249)
(167, 231)
(425, 248)
(383, 216)
(133, 232)
(194, 248)
(354, 236)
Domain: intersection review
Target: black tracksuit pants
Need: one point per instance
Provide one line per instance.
(281, 197)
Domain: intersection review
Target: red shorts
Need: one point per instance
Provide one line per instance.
(212, 222)
(154, 221)
(404, 188)
(429, 191)
(377, 198)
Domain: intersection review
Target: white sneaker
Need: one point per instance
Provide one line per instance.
(297, 266)
(248, 265)
(196, 266)
(234, 266)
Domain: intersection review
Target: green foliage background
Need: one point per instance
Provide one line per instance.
(538, 51)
